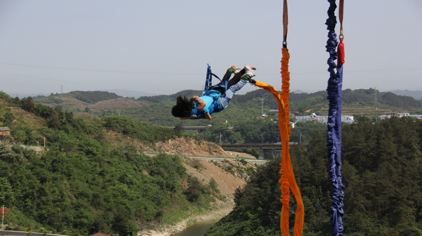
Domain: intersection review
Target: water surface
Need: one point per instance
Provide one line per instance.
(197, 229)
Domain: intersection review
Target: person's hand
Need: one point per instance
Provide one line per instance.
(208, 116)
(201, 103)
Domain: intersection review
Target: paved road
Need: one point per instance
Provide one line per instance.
(22, 233)
(230, 159)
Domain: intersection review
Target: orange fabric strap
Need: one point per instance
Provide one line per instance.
(287, 174)
(285, 22)
(287, 181)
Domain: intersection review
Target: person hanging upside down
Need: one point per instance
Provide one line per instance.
(216, 98)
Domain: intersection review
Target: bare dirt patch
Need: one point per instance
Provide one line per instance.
(190, 147)
(227, 183)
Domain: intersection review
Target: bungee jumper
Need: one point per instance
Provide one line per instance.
(214, 98)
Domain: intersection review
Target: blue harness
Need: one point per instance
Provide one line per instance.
(222, 86)
(212, 91)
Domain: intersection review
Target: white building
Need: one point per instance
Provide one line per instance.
(323, 119)
(399, 115)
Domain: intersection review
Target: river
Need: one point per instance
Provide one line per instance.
(197, 229)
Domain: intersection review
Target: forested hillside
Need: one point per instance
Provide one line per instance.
(383, 179)
(156, 109)
(82, 182)
(417, 94)
(248, 106)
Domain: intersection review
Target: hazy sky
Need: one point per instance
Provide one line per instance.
(163, 46)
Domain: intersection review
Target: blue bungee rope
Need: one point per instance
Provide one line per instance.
(334, 91)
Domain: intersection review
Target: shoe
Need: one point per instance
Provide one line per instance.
(248, 76)
(249, 73)
(233, 69)
(250, 67)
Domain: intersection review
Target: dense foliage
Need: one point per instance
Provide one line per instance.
(136, 129)
(258, 130)
(382, 174)
(80, 184)
(85, 192)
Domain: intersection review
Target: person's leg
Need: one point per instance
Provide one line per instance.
(235, 84)
(246, 70)
(236, 78)
(239, 80)
(224, 100)
(231, 70)
(225, 82)
(234, 88)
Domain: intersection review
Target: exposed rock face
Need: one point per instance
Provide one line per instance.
(190, 147)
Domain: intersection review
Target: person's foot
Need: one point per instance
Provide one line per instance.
(250, 67)
(249, 73)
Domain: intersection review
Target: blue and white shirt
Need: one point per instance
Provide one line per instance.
(213, 103)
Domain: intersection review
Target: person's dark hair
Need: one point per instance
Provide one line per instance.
(183, 107)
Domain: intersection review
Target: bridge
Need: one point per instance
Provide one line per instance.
(265, 150)
(192, 127)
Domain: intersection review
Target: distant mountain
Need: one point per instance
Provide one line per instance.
(90, 101)
(93, 96)
(23, 95)
(417, 94)
(131, 93)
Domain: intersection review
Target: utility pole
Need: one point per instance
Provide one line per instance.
(262, 107)
(300, 136)
(220, 139)
(376, 99)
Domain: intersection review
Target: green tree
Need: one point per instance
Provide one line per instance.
(28, 104)
(8, 118)
(7, 196)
